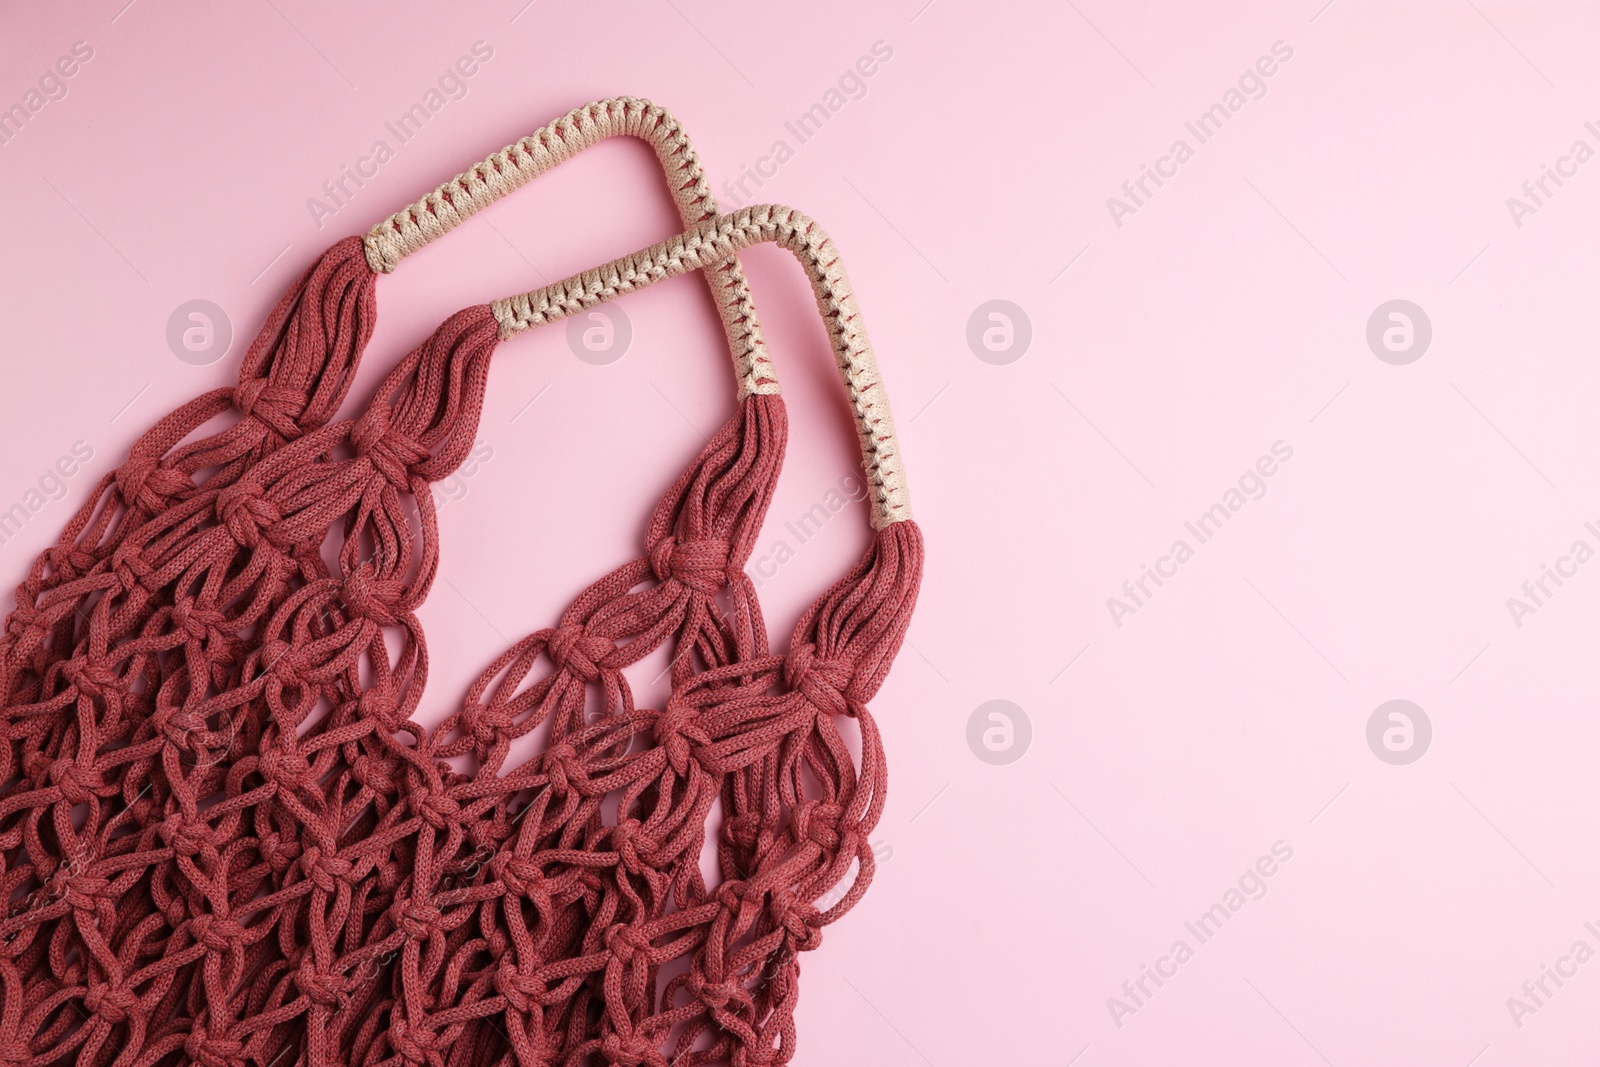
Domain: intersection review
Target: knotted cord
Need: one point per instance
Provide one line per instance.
(226, 839)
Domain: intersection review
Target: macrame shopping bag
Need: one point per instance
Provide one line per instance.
(330, 895)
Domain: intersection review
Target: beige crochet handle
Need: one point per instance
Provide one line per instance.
(514, 166)
(717, 241)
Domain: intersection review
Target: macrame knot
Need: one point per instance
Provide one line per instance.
(131, 477)
(209, 1051)
(327, 988)
(715, 995)
(522, 878)
(77, 784)
(245, 510)
(246, 394)
(486, 723)
(763, 1056)
(701, 565)
(84, 892)
(109, 1002)
(23, 616)
(820, 681)
(631, 1050)
(736, 896)
(624, 942)
(379, 704)
(675, 729)
(818, 822)
(199, 623)
(560, 764)
(415, 1044)
(283, 768)
(145, 484)
(633, 844)
(216, 933)
(280, 851)
(437, 809)
(129, 565)
(325, 871)
(571, 648)
(417, 921)
(376, 774)
(742, 831)
(520, 990)
(186, 837)
(371, 597)
(391, 453)
(69, 561)
(179, 726)
(277, 407)
(90, 679)
(801, 921)
(278, 658)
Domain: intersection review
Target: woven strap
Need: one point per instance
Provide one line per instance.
(515, 165)
(717, 241)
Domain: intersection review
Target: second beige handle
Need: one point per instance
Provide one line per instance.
(717, 241)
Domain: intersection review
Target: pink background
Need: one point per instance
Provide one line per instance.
(1226, 314)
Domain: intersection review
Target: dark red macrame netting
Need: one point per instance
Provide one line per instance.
(225, 841)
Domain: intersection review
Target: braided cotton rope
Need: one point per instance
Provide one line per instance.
(226, 841)
(715, 241)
